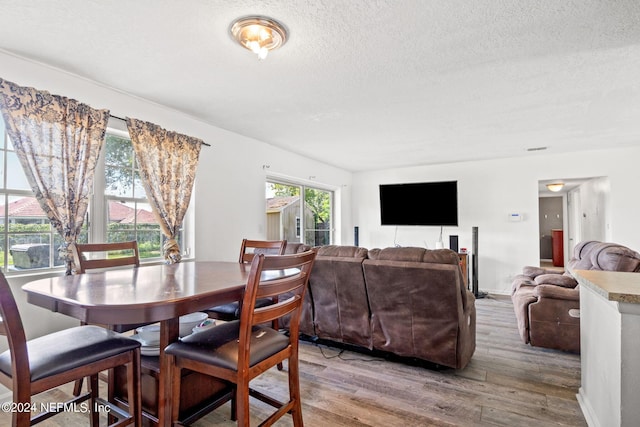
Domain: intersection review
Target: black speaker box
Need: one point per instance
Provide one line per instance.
(474, 264)
(356, 236)
(453, 243)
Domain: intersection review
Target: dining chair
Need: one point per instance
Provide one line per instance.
(248, 249)
(96, 256)
(240, 350)
(34, 366)
(90, 256)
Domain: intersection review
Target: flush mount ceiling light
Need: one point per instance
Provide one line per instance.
(555, 187)
(259, 34)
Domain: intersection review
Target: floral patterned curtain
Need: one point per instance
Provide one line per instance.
(58, 141)
(168, 162)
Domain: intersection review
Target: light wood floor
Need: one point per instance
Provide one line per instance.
(507, 383)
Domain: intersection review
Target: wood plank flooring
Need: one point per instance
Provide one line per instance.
(507, 383)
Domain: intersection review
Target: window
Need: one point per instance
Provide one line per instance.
(27, 239)
(291, 218)
(129, 215)
(119, 211)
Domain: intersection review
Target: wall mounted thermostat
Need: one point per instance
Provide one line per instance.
(515, 217)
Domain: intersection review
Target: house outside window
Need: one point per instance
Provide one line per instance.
(308, 220)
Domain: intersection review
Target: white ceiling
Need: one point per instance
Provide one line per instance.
(364, 84)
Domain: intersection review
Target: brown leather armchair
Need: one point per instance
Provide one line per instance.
(547, 302)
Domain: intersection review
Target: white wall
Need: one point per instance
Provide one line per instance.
(229, 196)
(594, 210)
(488, 191)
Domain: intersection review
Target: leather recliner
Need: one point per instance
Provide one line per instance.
(547, 302)
(420, 306)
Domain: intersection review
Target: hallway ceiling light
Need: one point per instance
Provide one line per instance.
(259, 34)
(555, 187)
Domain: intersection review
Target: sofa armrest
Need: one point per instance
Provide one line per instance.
(557, 292)
(563, 280)
(533, 272)
(519, 281)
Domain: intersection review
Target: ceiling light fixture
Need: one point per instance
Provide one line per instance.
(555, 187)
(259, 34)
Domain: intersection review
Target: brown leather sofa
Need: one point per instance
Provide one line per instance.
(306, 315)
(410, 302)
(339, 296)
(547, 302)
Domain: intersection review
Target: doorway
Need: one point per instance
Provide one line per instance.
(584, 214)
(551, 226)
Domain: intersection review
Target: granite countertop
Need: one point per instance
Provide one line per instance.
(612, 285)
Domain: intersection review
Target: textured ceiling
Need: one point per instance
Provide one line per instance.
(364, 84)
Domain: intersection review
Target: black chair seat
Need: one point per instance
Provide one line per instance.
(219, 345)
(231, 310)
(69, 349)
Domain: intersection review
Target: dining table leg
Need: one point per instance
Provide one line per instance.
(168, 333)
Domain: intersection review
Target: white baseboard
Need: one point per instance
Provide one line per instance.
(587, 409)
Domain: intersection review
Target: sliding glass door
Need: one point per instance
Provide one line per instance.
(307, 219)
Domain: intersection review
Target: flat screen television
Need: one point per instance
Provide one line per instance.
(423, 203)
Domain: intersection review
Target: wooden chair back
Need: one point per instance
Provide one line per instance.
(89, 256)
(250, 248)
(23, 386)
(283, 279)
(11, 327)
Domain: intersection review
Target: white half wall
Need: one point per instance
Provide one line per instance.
(488, 191)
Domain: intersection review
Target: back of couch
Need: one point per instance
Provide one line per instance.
(340, 303)
(419, 305)
(595, 255)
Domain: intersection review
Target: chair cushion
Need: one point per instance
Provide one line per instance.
(232, 309)
(219, 345)
(70, 348)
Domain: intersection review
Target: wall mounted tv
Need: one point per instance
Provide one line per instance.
(424, 203)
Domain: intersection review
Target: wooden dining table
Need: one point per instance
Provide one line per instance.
(146, 294)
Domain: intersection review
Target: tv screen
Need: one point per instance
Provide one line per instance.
(424, 203)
